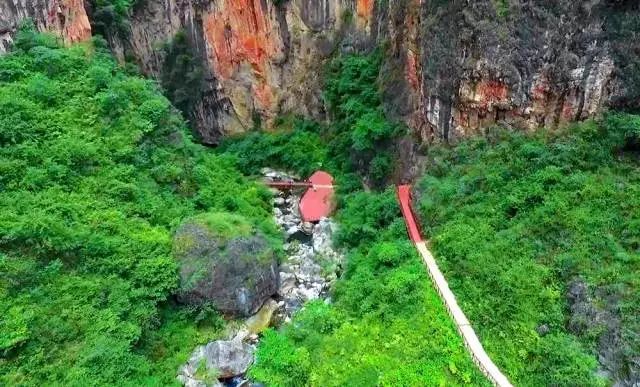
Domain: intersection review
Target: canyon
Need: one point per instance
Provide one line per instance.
(131, 252)
(450, 70)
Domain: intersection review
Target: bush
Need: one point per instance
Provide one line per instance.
(282, 363)
(361, 139)
(294, 146)
(363, 217)
(182, 74)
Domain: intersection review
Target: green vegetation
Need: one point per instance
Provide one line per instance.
(517, 221)
(96, 171)
(502, 8)
(386, 326)
(295, 145)
(111, 17)
(182, 74)
(360, 138)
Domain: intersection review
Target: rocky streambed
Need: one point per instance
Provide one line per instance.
(308, 272)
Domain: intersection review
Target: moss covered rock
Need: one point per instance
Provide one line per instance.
(224, 261)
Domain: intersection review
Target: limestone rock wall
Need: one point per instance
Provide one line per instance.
(66, 18)
(451, 70)
(459, 67)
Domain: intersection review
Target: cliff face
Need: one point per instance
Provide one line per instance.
(259, 59)
(528, 65)
(66, 18)
(452, 69)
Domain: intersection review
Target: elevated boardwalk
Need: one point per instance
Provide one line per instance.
(471, 342)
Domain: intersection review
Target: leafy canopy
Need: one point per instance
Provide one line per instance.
(515, 220)
(96, 171)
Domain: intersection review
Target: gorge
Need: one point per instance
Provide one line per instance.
(138, 239)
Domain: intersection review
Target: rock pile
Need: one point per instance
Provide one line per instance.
(307, 273)
(312, 265)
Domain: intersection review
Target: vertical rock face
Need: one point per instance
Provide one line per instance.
(452, 68)
(156, 23)
(66, 18)
(267, 57)
(244, 46)
(469, 66)
(260, 59)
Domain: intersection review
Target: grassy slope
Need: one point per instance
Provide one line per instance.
(96, 171)
(515, 219)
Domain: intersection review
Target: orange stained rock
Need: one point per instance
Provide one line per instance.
(540, 89)
(68, 18)
(568, 111)
(411, 70)
(364, 8)
(76, 27)
(263, 93)
(492, 92)
(240, 32)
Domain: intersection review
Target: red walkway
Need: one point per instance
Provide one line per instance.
(317, 202)
(404, 197)
(469, 337)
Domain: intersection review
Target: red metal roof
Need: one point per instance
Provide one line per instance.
(317, 202)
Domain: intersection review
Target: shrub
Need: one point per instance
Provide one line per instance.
(295, 146)
(361, 139)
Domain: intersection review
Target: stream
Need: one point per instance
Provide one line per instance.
(308, 271)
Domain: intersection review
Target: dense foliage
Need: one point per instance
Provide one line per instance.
(296, 145)
(96, 171)
(521, 224)
(182, 74)
(111, 17)
(360, 137)
(387, 325)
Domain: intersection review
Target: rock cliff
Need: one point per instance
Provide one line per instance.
(260, 59)
(452, 69)
(65, 18)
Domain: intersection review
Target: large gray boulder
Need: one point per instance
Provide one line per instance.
(220, 359)
(224, 262)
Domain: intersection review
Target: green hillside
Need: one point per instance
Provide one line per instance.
(96, 171)
(539, 238)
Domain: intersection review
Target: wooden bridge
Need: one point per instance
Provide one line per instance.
(471, 342)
